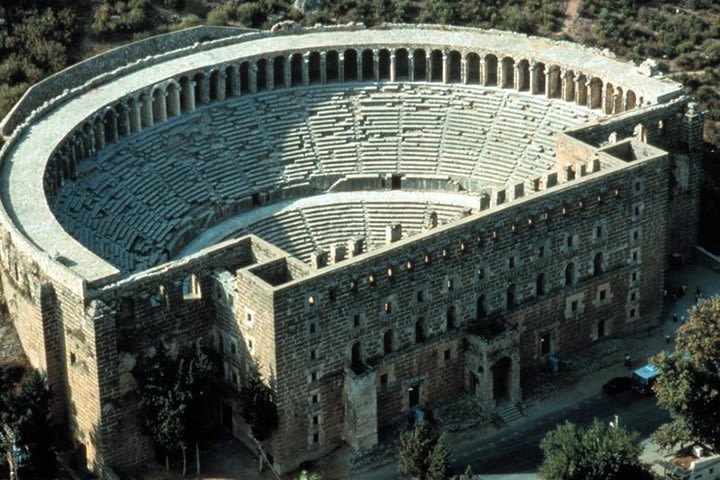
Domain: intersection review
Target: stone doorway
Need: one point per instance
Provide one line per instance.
(501, 379)
(414, 396)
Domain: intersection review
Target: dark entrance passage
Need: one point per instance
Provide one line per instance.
(501, 379)
(414, 396)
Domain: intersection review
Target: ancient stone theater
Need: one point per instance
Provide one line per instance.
(381, 218)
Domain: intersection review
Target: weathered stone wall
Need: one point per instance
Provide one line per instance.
(487, 256)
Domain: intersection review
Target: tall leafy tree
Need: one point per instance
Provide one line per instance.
(258, 405)
(599, 452)
(423, 455)
(689, 383)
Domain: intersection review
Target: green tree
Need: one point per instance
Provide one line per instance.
(439, 463)
(599, 453)
(258, 405)
(423, 455)
(689, 383)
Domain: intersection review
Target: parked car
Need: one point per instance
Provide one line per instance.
(617, 385)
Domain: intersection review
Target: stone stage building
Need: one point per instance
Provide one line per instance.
(382, 218)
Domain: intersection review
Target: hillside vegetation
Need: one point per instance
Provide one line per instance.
(40, 37)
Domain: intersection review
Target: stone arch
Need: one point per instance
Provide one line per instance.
(472, 63)
(511, 297)
(598, 261)
(388, 341)
(608, 97)
(480, 308)
(350, 65)
(570, 274)
(523, 75)
(384, 64)
(554, 82)
(368, 65)
(172, 97)
(332, 66)
(215, 87)
(451, 322)
(296, 65)
(402, 64)
(540, 284)
(630, 100)
(454, 67)
(261, 77)
(502, 379)
(232, 86)
(436, 66)
(596, 86)
(314, 75)
(158, 105)
(109, 117)
(244, 78)
(187, 99)
(279, 71)
(581, 90)
(507, 73)
(618, 100)
(541, 78)
(420, 65)
(490, 70)
(200, 88)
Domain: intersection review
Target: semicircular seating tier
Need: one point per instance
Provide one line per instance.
(139, 201)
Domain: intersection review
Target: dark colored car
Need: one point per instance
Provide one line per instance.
(617, 385)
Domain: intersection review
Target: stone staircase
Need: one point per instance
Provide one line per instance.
(509, 412)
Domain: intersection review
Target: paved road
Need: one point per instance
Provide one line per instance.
(515, 450)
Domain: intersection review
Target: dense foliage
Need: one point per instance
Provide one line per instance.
(689, 382)
(600, 452)
(258, 405)
(423, 455)
(25, 409)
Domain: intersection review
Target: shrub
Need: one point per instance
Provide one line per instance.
(251, 14)
(217, 16)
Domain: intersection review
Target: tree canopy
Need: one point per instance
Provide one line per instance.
(423, 455)
(599, 452)
(689, 383)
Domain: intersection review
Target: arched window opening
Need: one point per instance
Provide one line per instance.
(279, 71)
(368, 65)
(473, 69)
(214, 82)
(598, 263)
(523, 72)
(184, 98)
(508, 71)
(569, 274)
(420, 65)
(541, 78)
(384, 64)
(244, 78)
(596, 86)
(230, 81)
(332, 66)
(402, 66)
(491, 66)
(191, 288)
(630, 100)
(436, 66)
(455, 64)
(296, 62)
(261, 75)
(350, 66)
(314, 66)
(554, 82)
